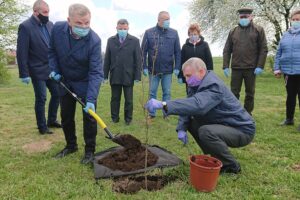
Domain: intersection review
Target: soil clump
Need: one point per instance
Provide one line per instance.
(131, 158)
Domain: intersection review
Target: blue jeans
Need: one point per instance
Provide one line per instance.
(166, 81)
(40, 92)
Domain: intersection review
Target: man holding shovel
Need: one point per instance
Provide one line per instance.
(211, 113)
(75, 55)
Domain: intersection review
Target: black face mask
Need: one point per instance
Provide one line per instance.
(43, 19)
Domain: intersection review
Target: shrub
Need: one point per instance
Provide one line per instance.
(4, 75)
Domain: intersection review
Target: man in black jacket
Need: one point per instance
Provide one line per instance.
(32, 54)
(123, 65)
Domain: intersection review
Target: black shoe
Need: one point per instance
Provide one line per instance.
(87, 158)
(115, 120)
(46, 131)
(65, 152)
(54, 125)
(232, 169)
(287, 122)
(128, 122)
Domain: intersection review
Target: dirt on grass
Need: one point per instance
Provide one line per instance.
(131, 185)
(37, 147)
(131, 158)
(296, 167)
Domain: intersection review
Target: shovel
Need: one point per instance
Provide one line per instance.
(126, 140)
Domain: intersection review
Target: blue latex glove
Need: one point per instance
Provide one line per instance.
(145, 72)
(54, 76)
(25, 80)
(152, 105)
(182, 136)
(136, 81)
(88, 106)
(258, 71)
(226, 72)
(180, 81)
(176, 72)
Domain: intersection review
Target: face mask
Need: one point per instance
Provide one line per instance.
(43, 19)
(244, 22)
(295, 24)
(122, 33)
(81, 32)
(193, 81)
(166, 24)
(194, 38)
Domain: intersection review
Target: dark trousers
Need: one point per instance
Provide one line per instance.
(215, 139)
(292, 85)
(238, 75)
(116, 92)
(68, 108)
(40, 92)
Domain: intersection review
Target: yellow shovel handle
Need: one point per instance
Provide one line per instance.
(97, 118)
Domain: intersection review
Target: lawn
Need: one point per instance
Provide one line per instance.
(270, 164)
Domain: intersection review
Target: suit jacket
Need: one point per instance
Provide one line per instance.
(81, 65)
(32, 50)
(123, 61)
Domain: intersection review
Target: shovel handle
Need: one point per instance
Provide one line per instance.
(101, 123)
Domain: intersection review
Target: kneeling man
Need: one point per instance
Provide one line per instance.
(211, 113)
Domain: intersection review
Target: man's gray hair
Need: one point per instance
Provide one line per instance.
(161, 13)
(78, 9)
(38, 4)
(195, 63)
(122, 21)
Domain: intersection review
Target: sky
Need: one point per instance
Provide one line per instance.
(141, 15)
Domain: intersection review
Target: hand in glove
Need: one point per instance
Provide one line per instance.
(145, 72)
(88, 106)
(226, 72)
(182, 136)
(26, 80)
(55, 76)
(258, 71)
(152, 105)
(176, 72)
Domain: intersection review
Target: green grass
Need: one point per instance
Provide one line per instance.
(267, 163)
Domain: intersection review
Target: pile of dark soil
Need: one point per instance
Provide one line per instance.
(131, 158)
(130, 185)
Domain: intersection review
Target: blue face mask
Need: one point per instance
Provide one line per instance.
(122, 34)
(81, 32)
(166, 24)
(295, 24)
(244, 22)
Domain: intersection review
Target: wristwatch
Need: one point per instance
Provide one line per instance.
(165, 107)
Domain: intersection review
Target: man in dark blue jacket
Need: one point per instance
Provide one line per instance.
(75, 55)
(211, 113)
(32, 56)
(162, 48)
